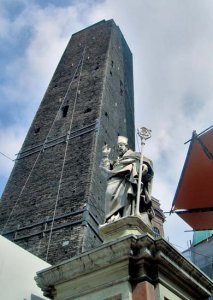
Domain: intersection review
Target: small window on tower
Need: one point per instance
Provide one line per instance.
(97, 66)
(87, 110)
(37, 129)
(64, 111)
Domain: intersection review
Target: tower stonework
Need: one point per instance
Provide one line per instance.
(54, 198)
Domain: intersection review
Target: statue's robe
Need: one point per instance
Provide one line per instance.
(122, 184)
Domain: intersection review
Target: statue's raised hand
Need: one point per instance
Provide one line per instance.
(106, 151)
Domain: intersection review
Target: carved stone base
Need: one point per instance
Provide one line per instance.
(125, 226)
(154, 271)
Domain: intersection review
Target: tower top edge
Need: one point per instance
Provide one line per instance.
(110, 22)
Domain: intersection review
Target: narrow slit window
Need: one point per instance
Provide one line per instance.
(37, 129)
(64, 111)
(97, 66)
(87, 110)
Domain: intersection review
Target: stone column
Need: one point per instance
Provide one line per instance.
(143, 291)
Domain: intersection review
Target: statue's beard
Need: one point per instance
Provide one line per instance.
(121, 152)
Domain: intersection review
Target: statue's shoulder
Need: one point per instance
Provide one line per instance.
(137, 155)
(148, 160)
(132, 154)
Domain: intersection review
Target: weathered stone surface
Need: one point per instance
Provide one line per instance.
(90, 94)
(130, 225)
(133, 267)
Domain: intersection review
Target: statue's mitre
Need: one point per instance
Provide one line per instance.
(122, 140)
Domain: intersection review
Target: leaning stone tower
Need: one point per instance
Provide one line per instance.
(54, 198)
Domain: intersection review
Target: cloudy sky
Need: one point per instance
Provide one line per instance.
(172, 46)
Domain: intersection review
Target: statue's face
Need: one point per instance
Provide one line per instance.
(122, 148)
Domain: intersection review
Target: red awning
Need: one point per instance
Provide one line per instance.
(198, 220)
(193, 200)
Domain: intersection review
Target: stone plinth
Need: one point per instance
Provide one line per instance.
(132, 267)
(124, 227)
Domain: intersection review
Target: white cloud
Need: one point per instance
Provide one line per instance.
(11, 139)
(27, 76)
(49, 31)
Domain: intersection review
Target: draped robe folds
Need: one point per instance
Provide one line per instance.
(122, 183)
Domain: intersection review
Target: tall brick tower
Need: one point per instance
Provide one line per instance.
(54, 198)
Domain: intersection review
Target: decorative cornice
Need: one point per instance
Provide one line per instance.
(146, 258)
(86, 263)
(166, 254)
(161, 253)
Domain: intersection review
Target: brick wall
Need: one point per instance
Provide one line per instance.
(88, 103)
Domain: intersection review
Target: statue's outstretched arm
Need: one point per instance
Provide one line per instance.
(105, 162)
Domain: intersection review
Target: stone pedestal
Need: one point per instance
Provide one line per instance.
(129, 268)
(124, 227)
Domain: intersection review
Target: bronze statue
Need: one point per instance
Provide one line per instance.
(122, 182)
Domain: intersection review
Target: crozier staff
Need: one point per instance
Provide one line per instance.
(122, 182)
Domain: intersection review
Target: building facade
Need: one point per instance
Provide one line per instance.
(18, 269)
(200, 252)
